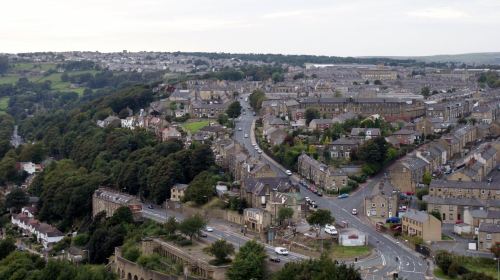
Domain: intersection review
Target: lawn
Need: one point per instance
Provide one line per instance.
(9, 79)
(193, 127)
(4, 103)
(349, 252)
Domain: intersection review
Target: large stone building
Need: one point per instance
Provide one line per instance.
(108, 201)
(407, 173)
(465, 189)
(388, 108)
(453, 210)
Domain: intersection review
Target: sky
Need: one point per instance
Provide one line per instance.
(318, 27)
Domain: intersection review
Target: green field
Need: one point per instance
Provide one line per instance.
(4, 103)
(9, 79)
(193, 127)
(486, 266)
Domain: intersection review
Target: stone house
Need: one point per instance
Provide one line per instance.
(421, 224)
(362, 133)
(342, 148)
(177, 192)
(407, 173)
(382, 203)
(488, 236)
(320, 124)
(465, 189)
(453, 210)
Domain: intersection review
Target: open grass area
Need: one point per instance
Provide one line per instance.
(9, 79)
(4, 103)
(482, 265)
(349, 252)
(27, 66)
(193, 127)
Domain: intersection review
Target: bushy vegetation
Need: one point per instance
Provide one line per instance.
(465, 267)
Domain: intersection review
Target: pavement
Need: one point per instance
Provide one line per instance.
(395, 257)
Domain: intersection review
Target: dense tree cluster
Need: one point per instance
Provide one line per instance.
(249, 263)
(251, 72)
(490, 78)
(20, 265)
(4, 64)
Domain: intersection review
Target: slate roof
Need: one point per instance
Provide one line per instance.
(464, 185)
(489, 228)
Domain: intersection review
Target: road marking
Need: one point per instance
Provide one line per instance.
(383, 259)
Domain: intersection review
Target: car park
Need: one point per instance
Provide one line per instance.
(281, 251)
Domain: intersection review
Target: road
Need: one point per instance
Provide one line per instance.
(395, 257)
(221, 230)
(16, 140)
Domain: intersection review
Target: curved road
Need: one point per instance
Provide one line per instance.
(395, 257)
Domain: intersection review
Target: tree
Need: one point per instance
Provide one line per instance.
(192, 225)
(6, 247)
(421, 192)
(234, 110)
(256, 99)
(122, 215)
(443, 260)
(285, 213)
(201, 189)
(426, 178)
(311, 114)
(425, 91)
(277, 77)
(321, 269)
(16, 199)
(320, 218)
(171, 226)
(221, 249)
(436, 214)
(249, 263)
(495, 249)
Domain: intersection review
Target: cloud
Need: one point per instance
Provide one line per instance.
(439, 13)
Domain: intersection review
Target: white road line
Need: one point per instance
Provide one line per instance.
(383, 259)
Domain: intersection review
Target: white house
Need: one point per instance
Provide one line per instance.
(45, 233)
(352, 237)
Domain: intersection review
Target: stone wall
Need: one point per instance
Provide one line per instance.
(128, 270)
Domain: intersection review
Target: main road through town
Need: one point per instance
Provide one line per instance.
(395, 257)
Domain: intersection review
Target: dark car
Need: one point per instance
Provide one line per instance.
(202, 234)
(275, 259)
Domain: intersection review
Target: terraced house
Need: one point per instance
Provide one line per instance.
(388, 108)
(320, 174)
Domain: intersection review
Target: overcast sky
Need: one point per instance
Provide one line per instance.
(326, 27)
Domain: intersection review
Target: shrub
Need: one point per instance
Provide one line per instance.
(444, 261)
(81, 240)
(453, 269)
(132, 254)
(184, 242)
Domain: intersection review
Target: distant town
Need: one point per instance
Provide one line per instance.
(155, 165)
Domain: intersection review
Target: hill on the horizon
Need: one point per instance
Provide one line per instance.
(490, 58)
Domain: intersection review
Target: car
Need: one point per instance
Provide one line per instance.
(244, 113)
(281, 251)
(354, 211)
(256, 147)
(246, 135)
(203, 234)
(331, 231)
(209, 229)
(314, 206)
(150, 206)
(239, 128)
(259, 151)
(254, 113)
(308, 234)
(319, 193)
(342, 196)
(307, 198)
(288, 172)
(393, 220)
(274, 259)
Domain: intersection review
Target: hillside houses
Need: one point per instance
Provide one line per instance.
(321, 175)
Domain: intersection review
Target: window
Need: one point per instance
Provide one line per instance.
(382, 205)
(488, 236)
(373, 204)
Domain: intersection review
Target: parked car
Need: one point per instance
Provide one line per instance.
(150, 206)
(274, 259)
(393, 220)
(354, 211)
(239, 128)
(209, 229)
(281, 251)
(342, 196)
(288, 172)
(246, 135)
(203, 234)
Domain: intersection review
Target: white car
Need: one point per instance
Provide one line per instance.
(354, 211)
(256, 147)
(209, 229)
(281, 251)
(239, 128)
(246, 135)
(288, 172)
(307, 198)
(331, 231)
(259, 151)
